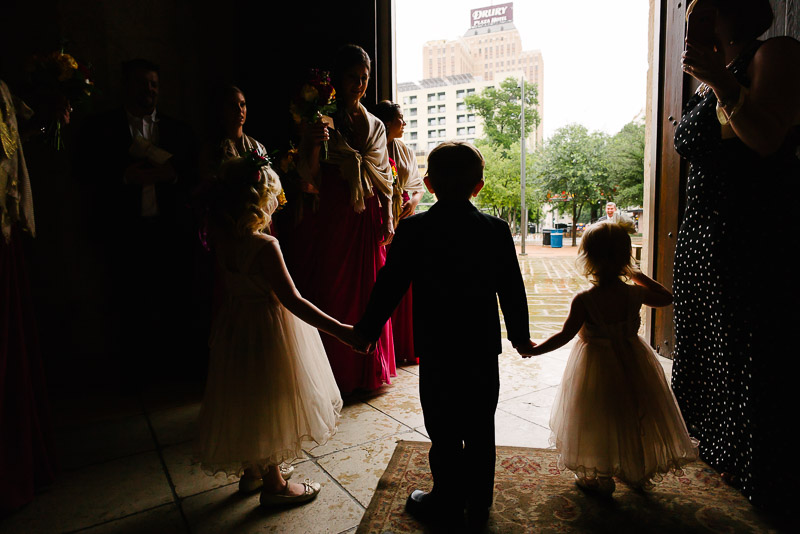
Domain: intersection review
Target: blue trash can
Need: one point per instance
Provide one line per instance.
(556, 238)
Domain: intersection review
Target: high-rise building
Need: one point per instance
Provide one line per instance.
(489, 52)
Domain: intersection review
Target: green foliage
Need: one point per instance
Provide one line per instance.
(626, 163)
(501, 190)
(574, 164)
(500, 110)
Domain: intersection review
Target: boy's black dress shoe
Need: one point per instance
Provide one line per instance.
(477, 516)
(423, 507)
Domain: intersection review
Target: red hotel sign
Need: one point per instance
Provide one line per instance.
(487, 16)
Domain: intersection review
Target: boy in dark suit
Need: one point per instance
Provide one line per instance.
(459, 261)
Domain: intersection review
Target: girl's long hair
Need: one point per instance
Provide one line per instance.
(605, 252)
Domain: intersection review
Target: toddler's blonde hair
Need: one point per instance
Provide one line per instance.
(605, 252)
(246, 196)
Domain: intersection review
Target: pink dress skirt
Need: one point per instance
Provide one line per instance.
(345, 260)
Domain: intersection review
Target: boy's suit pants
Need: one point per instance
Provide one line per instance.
(458, 404)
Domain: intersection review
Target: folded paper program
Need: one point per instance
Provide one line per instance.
(143, 149)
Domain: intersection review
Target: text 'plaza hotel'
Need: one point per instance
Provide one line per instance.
(489, 52)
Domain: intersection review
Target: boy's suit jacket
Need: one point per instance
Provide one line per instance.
(458, 261)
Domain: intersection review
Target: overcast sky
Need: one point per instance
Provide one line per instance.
(595, 53)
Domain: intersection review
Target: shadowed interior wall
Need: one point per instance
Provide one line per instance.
(263, 47)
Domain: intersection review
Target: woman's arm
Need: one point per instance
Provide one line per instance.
(573, 324)
(387, 219)
(270, 261)
(313, 136)
(762, 115)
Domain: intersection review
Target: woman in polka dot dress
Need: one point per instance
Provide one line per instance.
(733, 324)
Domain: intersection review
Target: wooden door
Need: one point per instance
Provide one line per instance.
(668, 179)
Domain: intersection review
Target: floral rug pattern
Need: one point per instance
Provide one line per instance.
(533, 495)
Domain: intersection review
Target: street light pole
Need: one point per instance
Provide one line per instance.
(523, 208)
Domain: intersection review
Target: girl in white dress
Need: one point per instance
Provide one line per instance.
(270, 386)
(614, 413)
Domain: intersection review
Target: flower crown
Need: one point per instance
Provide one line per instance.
(256, 162)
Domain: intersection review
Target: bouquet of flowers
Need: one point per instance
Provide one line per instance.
(64, 82)
(316, 98)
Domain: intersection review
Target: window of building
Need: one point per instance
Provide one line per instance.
(412, 123)
(442, 133)
(412, 112)
(471, 130)
(431, 97)
(442, 108)
(461, 106)
(441, 96)
(432, 121)
(442, 121)
(431, 134)
(432, 144)
(431, 109)
(461, 131)
(461, 118)
(413, 136)
(412, 99)
(460, 93)
(471, 118)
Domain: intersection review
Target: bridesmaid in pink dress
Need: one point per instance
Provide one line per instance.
(354, 222)
(408, 190)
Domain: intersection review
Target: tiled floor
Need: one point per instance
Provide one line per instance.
(126, 459)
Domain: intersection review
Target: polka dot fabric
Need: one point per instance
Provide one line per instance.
(729, 373)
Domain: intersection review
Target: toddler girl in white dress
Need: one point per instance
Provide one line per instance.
(614, 414)
(269, 385)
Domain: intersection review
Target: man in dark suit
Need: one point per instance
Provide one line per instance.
(459, 261)
(138, 166)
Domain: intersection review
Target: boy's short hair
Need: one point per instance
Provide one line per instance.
(454, 169)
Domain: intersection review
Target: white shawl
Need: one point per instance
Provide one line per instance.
(367, 170)
(408, 177)
(16, 200)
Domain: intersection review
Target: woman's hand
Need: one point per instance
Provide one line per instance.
(705, 64)
(408, 208)
(387, 230)
(316, 133)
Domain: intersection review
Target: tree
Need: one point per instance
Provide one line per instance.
(501, 190)
(500, 110)
(626, 163)
(573, 166)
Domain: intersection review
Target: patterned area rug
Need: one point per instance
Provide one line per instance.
(533, 495)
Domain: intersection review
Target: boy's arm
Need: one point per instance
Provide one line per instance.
(511, 292)
(392, 283)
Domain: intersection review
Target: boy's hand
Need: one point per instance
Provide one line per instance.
(350, 336)
(528, 349)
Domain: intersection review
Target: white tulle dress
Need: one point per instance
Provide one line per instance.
(614, 412)
(270, 386)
